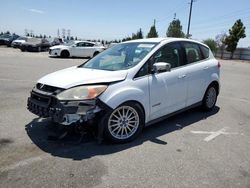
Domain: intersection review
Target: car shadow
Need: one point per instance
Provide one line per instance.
(78, 147)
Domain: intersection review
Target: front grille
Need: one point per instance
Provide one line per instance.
(40, 98)
(47, 88)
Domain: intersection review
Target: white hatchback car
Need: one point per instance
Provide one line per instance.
(76, 49)
(129, 86)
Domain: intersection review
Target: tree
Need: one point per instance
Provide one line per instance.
(211, 44)
(175, 29)
(75, 38)
(152, 32)
(71, 38)
(235, 34)
(126, 39)
(220, 39)
(138, 35)
(1, 33)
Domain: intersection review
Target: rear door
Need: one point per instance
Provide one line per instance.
(197, 66)
(89, 49)
(78, 50)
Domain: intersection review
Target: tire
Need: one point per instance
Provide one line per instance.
(210, 98)
(96, 53)
(64, 54)
(124, 123)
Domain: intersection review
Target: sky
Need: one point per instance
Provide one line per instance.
(116, 19)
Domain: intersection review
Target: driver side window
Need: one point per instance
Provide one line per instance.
(168, 54)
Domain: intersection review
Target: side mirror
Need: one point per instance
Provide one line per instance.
(161, 67)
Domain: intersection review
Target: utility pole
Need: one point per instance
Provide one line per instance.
(58, 33)
(189, 19)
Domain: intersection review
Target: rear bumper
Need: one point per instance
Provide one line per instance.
(63, 112)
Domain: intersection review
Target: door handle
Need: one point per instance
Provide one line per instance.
(205, 68)
(182, 76)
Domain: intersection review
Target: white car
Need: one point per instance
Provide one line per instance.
(129, 86)
(76, 49)
(19, 41)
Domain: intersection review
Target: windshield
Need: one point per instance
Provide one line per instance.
(120, 57)
(22, 38)
(34, 40)
(70, 43)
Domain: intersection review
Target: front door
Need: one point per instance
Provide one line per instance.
(168, 90)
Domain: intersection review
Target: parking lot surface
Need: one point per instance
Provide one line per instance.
(192, 149)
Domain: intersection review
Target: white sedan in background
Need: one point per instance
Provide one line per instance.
(76, 49)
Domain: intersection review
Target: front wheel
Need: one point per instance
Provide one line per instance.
(96, 53)
(64, 54)
(210, 98)
(124, 123)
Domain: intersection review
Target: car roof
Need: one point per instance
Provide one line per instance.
(77, 41)
(166, 39)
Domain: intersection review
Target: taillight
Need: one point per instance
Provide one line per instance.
(219, 65)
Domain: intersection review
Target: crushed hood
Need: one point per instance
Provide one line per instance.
(74, 76)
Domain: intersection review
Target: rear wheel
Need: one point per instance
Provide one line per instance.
(95, 54)
(210, 98)
(64, 54)
(124, 123)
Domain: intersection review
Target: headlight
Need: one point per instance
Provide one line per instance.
(82, 92)
(56, 49)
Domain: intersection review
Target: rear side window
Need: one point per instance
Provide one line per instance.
(205, 51)
(193, 52)
(89, 44)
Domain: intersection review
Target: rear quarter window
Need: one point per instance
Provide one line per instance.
(205, 51)
(193, 52)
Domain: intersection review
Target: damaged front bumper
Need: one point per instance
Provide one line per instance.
(46, 105)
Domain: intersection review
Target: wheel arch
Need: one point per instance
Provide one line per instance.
(64, 50)
(113, 100)
(96, 52)
(136, 102)
(217, 86)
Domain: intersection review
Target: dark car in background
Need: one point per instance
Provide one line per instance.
(35, 45)
(19, 41)
(6, 39)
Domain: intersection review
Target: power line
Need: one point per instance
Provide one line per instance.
(234, 13)
(218, 22)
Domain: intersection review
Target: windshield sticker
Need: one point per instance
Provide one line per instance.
(145, 45)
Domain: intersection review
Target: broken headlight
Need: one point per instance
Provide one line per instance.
(82, 92)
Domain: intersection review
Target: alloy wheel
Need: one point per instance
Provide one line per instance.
(123, 122)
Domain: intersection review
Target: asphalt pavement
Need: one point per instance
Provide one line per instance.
(192, 149)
